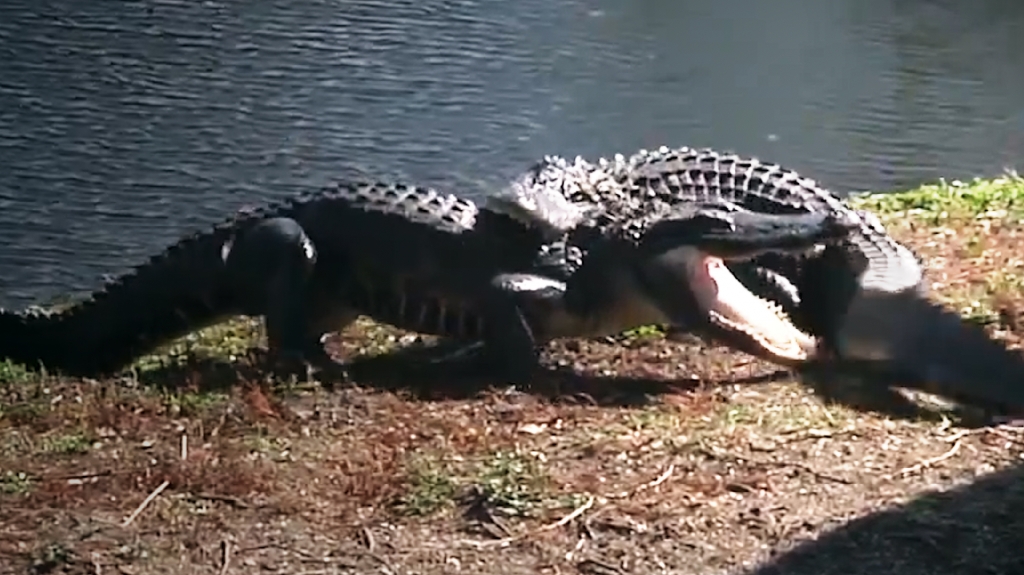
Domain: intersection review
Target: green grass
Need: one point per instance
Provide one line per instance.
(995, 198)
(12, 483)
(513, 483)
(430, 487)
(66, 443)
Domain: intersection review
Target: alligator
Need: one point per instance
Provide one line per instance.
(405, 255)
(295, 262)
(864, 301)
(626, 253)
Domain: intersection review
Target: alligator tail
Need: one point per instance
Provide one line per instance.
(177, 291)
(23, 338)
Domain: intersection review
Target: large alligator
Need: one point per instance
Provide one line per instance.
(296, 263)
(864, 300)
(405, 255)
(626, 253)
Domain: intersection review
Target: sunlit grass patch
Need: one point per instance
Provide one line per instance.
(996, 198)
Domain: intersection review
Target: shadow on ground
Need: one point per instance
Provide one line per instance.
(978, 528)
(576, 373)
(410, 373)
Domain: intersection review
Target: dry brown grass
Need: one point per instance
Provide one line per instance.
(635, 457)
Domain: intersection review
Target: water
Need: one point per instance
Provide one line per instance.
(126, 124)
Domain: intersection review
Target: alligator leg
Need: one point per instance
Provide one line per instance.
(509, 341)
(326, 313)
(270, 266)
(512, 309)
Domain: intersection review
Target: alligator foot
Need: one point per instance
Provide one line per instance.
(323, 366)
(478, 359)
(470, 352)
(310, 364)
(507, 348)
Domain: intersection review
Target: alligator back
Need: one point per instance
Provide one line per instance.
(684, 175)
(386, 232)
(423, 261)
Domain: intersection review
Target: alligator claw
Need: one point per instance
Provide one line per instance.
(468, 352)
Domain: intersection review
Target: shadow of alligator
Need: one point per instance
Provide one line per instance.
(409, 370)
(978, 528)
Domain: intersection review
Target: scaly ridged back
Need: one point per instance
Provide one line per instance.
(183, 288)
(687, 174)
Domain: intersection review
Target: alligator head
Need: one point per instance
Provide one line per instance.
(673, 260)
(722, 308)
(539, 200)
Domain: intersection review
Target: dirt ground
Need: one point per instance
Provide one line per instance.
(632, 456)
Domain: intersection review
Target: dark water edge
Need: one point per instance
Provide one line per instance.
(126, 124)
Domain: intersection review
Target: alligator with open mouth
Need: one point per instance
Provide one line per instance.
(861, 302)
(411, 257)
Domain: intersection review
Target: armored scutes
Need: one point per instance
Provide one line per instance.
(627, 268)
(637, 247)
(865, 298)
(403, 255)
(310, 265)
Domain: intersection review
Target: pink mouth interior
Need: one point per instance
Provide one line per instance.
(733, 307)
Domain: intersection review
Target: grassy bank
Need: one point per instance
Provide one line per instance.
(645, 456)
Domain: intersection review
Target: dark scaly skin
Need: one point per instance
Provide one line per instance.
(618, 271)
(637, 271)
(545, 295)
(310, 264)
(688, 175)
(865, 297)
(402, 255)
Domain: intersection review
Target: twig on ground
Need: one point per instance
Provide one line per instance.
(145, 502)
(644, 486)
(184, 446)
(76, 476)
(368, 539)
(575, 513)
(929, 462)
(234, 501)
(548, 527)
(1004, 431)
(804, 434)
(783, 463)
(817, 474)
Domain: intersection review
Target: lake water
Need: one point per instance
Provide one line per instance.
(126, 124)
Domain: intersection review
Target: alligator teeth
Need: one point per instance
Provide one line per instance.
(732, 306)
(783, 350)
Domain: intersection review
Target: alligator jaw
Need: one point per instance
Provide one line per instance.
(744, 320)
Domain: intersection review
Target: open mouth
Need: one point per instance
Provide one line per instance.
(744, 321)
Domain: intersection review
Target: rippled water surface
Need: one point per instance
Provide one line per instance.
(126, 124)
